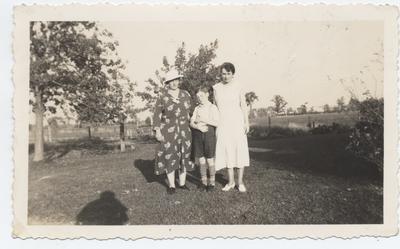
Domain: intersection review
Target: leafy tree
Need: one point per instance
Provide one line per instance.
(279, 104)
(198, 69)
(148, 121)
(366, 140)
(327, 108)
(302, 109)
(69, 64)
(250, 98)
(353, 104)
(114, 104)
(341, 106)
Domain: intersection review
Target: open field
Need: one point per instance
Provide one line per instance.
(301, 121)
(299, 180)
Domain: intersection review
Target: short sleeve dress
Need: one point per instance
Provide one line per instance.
(171, 116)
(232, 148)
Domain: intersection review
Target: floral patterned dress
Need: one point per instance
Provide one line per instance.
(171, 116)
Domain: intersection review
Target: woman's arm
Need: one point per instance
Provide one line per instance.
(158, 110)
(243, 106)
(213, 116)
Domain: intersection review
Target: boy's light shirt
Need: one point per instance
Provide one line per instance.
(206, 113)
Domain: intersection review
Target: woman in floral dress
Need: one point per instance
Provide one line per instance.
(171, 125)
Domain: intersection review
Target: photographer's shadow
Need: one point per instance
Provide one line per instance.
(107, 210)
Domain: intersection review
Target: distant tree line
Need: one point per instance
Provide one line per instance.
(279, 107)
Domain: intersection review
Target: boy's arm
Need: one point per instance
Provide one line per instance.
(193, 123)
(213, 117)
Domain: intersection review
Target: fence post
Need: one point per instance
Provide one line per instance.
(122, 135)
(269, 121)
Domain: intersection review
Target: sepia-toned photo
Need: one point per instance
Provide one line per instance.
(165, 121)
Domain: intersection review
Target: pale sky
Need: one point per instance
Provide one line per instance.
(302, 61)
(313, 62)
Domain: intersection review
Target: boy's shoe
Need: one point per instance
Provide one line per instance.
(228, 187)
(210, 188)
(242, 188)
(171, 190)
(202, 187)
(184, 187)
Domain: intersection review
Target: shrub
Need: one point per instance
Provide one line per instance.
(334, 128)
(366, 139)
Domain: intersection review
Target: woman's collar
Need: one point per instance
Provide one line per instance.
(229, 83)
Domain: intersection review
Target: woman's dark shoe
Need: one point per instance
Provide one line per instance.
(184, 187)
(202, 187)
(210, 188)
(171, 191)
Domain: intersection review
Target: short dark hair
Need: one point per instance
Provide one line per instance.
(204, 89)
(228, 67)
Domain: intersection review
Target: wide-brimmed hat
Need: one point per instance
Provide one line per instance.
(172, 75)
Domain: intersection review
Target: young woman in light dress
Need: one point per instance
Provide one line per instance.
(232, 150)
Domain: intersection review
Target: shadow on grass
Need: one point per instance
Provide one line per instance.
(221, 179)
(146, 167)
(77, 148)
(316, 154)
(107, 210)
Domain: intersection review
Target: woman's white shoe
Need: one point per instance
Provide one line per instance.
(242, 188)
(228, 187)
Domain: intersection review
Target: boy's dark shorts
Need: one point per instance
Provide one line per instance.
(204, 143)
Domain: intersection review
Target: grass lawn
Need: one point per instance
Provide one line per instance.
(299, 180)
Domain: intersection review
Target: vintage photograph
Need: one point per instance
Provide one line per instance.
(206, 122)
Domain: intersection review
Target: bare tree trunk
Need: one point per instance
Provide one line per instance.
(39, 143)
(50, 133)
(251, 111)
(122, 135)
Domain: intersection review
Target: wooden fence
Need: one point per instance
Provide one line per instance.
(306, 121)
(108, 132)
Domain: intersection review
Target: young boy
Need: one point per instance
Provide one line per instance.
(204, 121)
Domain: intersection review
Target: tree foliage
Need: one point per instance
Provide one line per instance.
(250, 98)
(197, 68)
(327, 108)
(353, 104)
(279, 104)
(302, 109)
(366, 140)
(72, 64)
(341, 106)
